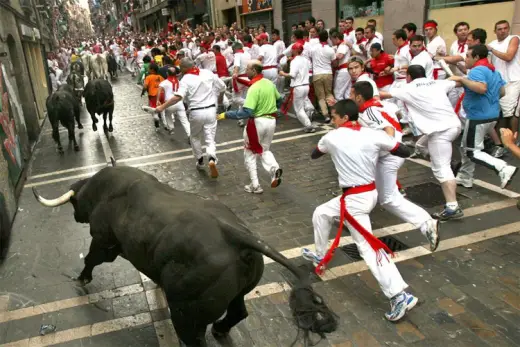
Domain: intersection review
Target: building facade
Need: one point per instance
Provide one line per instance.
(23, 91)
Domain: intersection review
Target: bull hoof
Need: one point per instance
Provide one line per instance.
(94, 126)
(76, 148)
(60, 150)
(80, 126)
(218, 334)
(110, 128)
(105, 128)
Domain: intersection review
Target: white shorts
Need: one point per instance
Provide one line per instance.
(509, 102)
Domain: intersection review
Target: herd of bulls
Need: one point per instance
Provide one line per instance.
(64, 105)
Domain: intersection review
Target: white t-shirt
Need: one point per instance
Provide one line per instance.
(345, 50)
(169, 92)
(379, 117)
(268, 52)
(425, 60)
(254, 51)
(462, 51)
(351, 37)
(199, 90)
(355, 153)
(402, 58)
(428, 104)
(279, 46)
(207, 61)
(241, 60)
(322, 57)
(366, 77)
(510, 71)
(299, 71)
(435, 47)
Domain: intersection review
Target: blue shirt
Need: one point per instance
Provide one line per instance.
(483, 106)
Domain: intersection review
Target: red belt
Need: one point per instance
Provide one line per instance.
(342, 66)
(400, 78)
(436, 72)
(376, 244)
(270, 67)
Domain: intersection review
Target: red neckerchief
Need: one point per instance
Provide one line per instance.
(306, 39)
(239, 51)
(323, 44)
(354, 80)
(368, 41)
(358, 42)
(217, 54)
(399, 48)
(174, 81)
(302, 42)
(461, 46)
(348, 31)
(422, 50)
(275, 41)
(193, 71)
(369, 103)
(248, 45)
(351, 125)
(256, 79)
(486, 63)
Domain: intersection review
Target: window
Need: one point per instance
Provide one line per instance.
(434, 4)
(360, 8)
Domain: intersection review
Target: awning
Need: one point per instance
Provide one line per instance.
(153, 9)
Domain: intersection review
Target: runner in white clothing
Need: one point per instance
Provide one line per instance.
(373, 114)
(432, 114)
(354, 150)
(370, 34)
(322, 57)
(341, 78)
(436, 47)
(420, 55)
(279, 46)
(267, 57)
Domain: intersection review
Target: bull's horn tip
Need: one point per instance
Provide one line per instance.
(35, 192)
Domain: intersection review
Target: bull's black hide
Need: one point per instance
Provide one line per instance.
(99, 99)
(112, 66)
(197, 250)
(63, 107)
(75, 80)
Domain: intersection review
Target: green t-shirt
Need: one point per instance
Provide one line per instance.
(261, 98)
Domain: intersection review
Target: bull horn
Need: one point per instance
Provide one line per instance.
(53, 202)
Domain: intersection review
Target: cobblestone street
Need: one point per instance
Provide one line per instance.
(468, 290)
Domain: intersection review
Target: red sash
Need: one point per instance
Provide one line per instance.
(252, 134)
(287, 102)
(376, 244)
(241, 81)
(269, 67)
(436, 72)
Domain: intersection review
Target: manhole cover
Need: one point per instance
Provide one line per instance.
(428, 195)
(394, 244)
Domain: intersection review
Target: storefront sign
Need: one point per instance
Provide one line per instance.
(165, 11)
(256, 5)
(9, 140)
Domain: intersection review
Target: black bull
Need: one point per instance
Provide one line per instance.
(198, 251)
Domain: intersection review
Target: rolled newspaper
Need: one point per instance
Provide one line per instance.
(445, 67)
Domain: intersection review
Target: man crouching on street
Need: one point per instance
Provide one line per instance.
(355, 151)
(260, 106)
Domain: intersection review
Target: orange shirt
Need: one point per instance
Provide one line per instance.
(151, 83)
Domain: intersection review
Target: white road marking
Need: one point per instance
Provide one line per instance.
(155, 302)
(170, 160)
(88, 125)
(107, 151)
(125, 160)
(480, 183)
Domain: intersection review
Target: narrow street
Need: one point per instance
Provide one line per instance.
(468, 290)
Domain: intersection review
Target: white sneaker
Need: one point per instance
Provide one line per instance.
(506, 174)
(252, 189)
(465, 182)
(432, 233)
(148, 109)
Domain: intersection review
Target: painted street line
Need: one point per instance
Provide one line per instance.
(125, 160)
(107, 151)
(137, 288)
(480, 183)
(88, 125)
(170, 160)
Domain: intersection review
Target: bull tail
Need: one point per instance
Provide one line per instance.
(309, 311)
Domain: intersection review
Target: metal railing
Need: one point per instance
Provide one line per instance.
(437, 4)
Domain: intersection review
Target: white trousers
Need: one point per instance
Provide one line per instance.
(509, 102)
(265, 128)
(203, 123)
(240, 96)
(342, 84)
(359, 206)
(473, 144)
(302, 105)
(389, 196)
(271, 75)
(177, 109)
